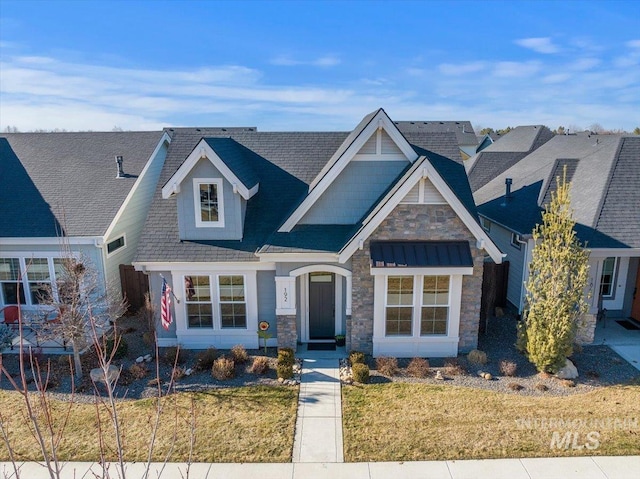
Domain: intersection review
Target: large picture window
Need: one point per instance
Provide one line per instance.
(425, 313)
(399, 306)
(435, 305)
(225, 310)
(208, 202)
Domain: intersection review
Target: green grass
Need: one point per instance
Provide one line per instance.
(248, 424)
(409, 422)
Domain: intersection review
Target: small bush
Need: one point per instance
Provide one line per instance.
(205, 359)
(387, 366)
(260, 365)
(593, 374)
(149, 338)
(541, 387)
(356, 357)
(223, 368)
(568, 383)
(178, 373)
(286, 356)
(174, 355)
(285, 371)
(508, 368)
(515, 386)
(239, 354)
(63, 360)
(452, 367)
(121, 349)
(477, 357)
(6, 336)
(138, 370)
(418, 368)
(360, 373)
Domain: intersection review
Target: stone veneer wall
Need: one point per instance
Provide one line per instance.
(415, 223)
(287, 333)
(586, 331)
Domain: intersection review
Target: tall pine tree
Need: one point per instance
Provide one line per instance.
(555, 300)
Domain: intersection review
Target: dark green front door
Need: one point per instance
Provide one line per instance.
(322, 302)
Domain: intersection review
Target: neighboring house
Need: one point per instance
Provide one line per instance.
(604, 171)
(505, 152)
(62, 190)
(371, 233)
(465, 135)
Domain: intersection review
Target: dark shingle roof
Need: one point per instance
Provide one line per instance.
(605, 195)
(66, 182)
(506, 152)
(285, 164)
(237, 158)
(465, 135)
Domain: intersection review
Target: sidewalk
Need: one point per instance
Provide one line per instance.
(605, 467)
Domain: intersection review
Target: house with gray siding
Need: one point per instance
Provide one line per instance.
(372, 234)
(604, 172)
(64, 193)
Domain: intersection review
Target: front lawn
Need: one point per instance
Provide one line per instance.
(248, 424)
(410, 422)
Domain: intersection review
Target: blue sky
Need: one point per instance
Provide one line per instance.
(305, 65)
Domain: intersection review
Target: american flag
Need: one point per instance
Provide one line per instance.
(165, 305)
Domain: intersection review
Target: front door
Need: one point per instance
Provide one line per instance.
(322, 301)
(635, 307)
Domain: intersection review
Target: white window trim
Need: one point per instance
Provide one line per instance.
(422, 305)
(220, 302)
(412, 306)
(186, 335)
(515, 241)
(614, 275)
(23, 260)
(120, 248)
(417, 345)
(196, 202)
(211, 301)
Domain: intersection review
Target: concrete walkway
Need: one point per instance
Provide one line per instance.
(624, 467)
(318, 436)
(623, 341)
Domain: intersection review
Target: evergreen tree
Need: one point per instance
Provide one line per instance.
(558, 274)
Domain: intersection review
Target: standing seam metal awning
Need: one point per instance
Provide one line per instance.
(420, 254)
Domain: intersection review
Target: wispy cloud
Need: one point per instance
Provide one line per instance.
(538, 44)
(633, 44)
(324, 61)
(461, 68)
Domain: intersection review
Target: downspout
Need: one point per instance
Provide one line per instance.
(525, 268)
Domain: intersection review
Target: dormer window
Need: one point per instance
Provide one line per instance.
(208, 202)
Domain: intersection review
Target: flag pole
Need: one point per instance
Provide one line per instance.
(172, 293)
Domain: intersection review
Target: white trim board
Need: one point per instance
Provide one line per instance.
(164, 139)
(198, 267)
(422, 168)
(341, 159)
(203, 150)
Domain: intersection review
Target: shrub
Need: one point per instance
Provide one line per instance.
(239, 354)
(452, 367)
(149, 338)
(515, 386)
(223, 368)
(260, 365)
(286, 356)
(63, 360)
(541, 387)
(121, 349)
(508, 368)
(356, 357)
(418, 368)
(178, 373)
(6, 336)
(138, 370)
(174, 355)
(568, 383)
(360, 373)
(387, 366)
(285, 371)
(477, 357)
(205, 359)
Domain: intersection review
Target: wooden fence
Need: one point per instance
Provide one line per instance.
(494, 290)
(134, 286)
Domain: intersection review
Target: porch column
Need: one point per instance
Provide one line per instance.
(286, 312)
